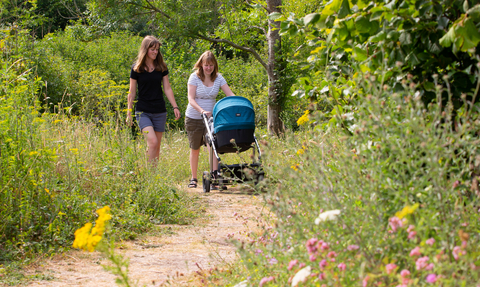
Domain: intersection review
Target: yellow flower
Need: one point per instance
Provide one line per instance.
(294, 167)
(87, 238)
(300, 151)
(406, 211)
(303, 119)
(74, 150)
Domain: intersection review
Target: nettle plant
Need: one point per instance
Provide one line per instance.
(394, 204)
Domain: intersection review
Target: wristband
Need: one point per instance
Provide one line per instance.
(176, 108)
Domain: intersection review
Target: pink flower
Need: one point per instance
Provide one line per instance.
(311, 245)
(365, 281)
(323, 264)
(430, 266)
(430, 241)
(324, 246)
(464, 244)
(415, 252)
(402, 285)
(395, 223)
(352, 247)
(422, 262)
(410, 228)
(273, 261)
(342, 266)
(332, 254)
(265, 280)
(390, 268)
(313, 258)
(431, 278)
(292, 264)
(322, 276)
(301, 265)
(457, 251)
(404, 273)
(412, 234)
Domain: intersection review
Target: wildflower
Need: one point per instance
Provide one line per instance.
(430, 241)
(304, 118)
(404, 273)
(258, 251)
(352, 247)
(87, 238)
(312, 258)
(390, 268)
(300, 151)
(323, 264)
(395, 223)
(322, 276)
(324, 245)
(365, 281)
(421, 262)
(294, 167)
(265, 280)
(415, 252)
(457, 252)
(332, 254)
(406, 211)
(412, 234)
(242, 284)
(292, 263)
(431, 278)
(327, 215)
(312, 245)
(273, 261)
(342, 266)
(430, 266)
(301, 276)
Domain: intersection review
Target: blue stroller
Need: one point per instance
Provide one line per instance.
(231, 129)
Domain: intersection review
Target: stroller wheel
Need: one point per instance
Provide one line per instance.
(206, 181)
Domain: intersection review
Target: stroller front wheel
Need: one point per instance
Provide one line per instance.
(206, 181)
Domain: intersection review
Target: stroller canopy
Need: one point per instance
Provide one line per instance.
(233, 113)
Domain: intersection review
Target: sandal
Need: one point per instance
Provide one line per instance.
(193, 183)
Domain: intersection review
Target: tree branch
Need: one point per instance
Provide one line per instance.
(152, 7)
(236, 46)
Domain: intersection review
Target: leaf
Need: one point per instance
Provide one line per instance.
(471, 37)
(405, 38)
(311, 19)
(448, 39)
(274, 16)
(362, 24)
(332, 7)
(360, 54)
(474, 12)
(344, 9)
(380, 36)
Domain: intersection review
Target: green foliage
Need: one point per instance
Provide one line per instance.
(346, 38)
(403, 177)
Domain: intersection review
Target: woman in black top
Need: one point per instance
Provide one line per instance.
(149, 73)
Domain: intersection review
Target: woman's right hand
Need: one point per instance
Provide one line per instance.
(129, 119)
(207, 113)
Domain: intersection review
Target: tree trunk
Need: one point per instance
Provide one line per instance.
(274, 124)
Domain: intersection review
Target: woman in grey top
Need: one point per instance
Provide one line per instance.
(203, 87)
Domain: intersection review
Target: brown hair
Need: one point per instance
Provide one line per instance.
(147, 43)
(206, 57)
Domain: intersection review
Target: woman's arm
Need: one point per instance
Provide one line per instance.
(131, 97)
(227, 91)
(192, 92)
(171, 98)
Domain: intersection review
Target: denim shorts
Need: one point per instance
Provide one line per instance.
(157, 120)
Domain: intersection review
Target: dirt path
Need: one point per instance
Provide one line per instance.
(156, 261)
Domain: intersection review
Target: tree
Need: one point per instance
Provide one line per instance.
(242, 25)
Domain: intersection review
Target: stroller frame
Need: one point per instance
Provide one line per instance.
(229, 174)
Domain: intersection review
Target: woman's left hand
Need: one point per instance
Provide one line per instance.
(177, 113)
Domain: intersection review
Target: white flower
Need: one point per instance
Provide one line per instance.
(327, 215)
(242, 284)
(301, 276)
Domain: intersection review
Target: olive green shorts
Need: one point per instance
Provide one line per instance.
(196, 131)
